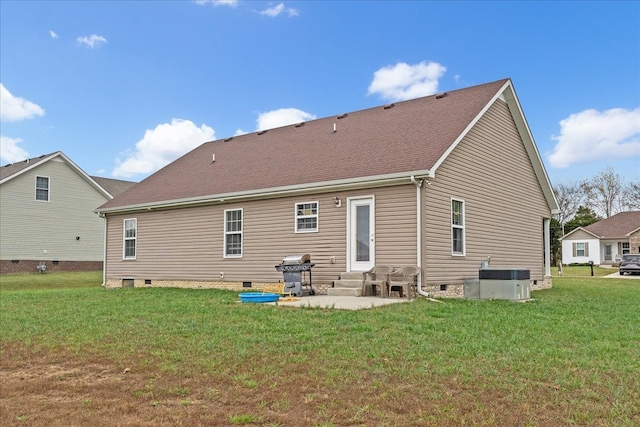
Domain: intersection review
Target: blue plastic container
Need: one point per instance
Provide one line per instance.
(258, 297)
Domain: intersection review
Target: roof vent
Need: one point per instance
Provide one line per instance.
(299, 125)
(441, 95)
(342, 116)
(262, 132)
(228, 139)
(388, 106)
(213, 158)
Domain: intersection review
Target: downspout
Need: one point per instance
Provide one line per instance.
(418, 184)
(104, 251)
(547, 247)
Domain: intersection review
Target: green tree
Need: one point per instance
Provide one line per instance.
(583, 217)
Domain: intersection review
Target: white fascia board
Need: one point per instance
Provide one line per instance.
(579, 228)
(30, 167)
(73, 166)
(631, 232)
(271, 193)
(530, 146)
(85, 176)
(508, 95)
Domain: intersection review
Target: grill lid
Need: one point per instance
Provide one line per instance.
(296, 259)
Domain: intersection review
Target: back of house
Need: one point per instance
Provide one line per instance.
(445, 182)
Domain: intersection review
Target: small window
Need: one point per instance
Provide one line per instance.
(130, 237)
(581, 249)
(306, 217)
(625, 248)
(457, 227)
(233, 233)
(42, 188)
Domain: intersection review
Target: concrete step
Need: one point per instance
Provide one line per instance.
(350, 284)
(352, 275)
(345, 292)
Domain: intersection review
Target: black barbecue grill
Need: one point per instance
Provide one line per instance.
(294, 270)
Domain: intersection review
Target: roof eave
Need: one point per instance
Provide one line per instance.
(579, 228)
(31, 166)
(271, 193)
(508, 93)
(70, 162)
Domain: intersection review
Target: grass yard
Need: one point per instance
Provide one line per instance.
(166, 357)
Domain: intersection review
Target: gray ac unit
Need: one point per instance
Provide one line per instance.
(509, 284)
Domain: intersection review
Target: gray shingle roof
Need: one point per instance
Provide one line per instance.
(13, 168)
(411, 136)
(616, 226)
(113, 186)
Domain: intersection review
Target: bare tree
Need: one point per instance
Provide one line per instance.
(632, 196)
(570, 197)
(605, 192)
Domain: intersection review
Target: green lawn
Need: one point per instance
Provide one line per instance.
(56, 280)
(570, 355)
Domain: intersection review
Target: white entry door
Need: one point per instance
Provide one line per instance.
(361, 234)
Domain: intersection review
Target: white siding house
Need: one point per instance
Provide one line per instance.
(603, 242)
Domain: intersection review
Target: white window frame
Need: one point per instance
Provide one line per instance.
(48, 189)
(583, 250)
(626, 248)
(458, 227)
(235, 232)
(129, 238)
(306, 215)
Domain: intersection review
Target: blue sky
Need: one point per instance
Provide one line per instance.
(124, 87)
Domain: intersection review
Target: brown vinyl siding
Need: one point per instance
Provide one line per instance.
(187, 244)
(504, 205)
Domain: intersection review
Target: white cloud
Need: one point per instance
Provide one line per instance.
(240, 132)
(92, 41)
(14, 108)
(282, 117)
(597, 135)
(279, 9)
(161, 146)
(53, 34)
(231, 3)
(9, 150)
(402, 81)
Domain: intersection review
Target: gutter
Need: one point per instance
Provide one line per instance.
(271, 193)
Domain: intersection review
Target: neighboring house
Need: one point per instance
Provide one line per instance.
(47, 214)
(603, 242)
(442, 182)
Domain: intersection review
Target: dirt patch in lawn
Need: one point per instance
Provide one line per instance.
(56, 388)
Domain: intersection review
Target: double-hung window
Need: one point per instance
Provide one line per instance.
(306, 217)
(233, 233)
(581, 249)
(457, 227)
(42, 188)
(130, 238)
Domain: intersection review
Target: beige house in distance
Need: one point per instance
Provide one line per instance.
(47, 206)
(444, 182)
